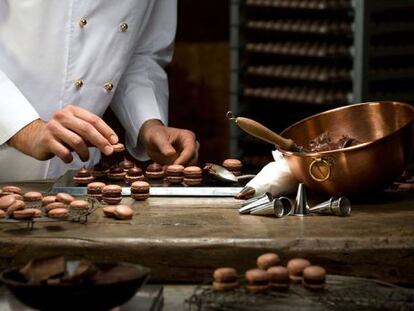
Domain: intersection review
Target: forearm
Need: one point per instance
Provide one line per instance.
(23, 140)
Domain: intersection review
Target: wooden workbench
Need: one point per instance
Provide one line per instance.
(184, 239)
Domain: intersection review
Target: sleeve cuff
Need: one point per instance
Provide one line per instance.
(15, 110)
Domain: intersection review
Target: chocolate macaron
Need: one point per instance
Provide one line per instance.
(126, 165)
(116, 173)
(83, 176)
(233, 165)
(48, 199)
(154, 171)
(123, 212)
(118, 148)
(109, 211)
(78, 207)
(33, 199)
(94, 189)
(140, 190)
(65, 198)
(314, 277)
(175, 174)
(58, 213)
(278, 277)
(296, 267)
(112, 194)
(6, 202)
(193, 176)
(225, 279)
(267, 260)
(11, 189)
(257, 280)
(27, 213)
(100, 170)
(53, 205)
(134, 174)
(16, 206)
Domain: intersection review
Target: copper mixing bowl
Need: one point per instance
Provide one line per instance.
(387, 132)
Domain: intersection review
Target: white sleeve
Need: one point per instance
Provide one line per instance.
(15, 110)
(142, 93)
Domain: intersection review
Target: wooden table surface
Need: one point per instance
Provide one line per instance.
(184, 239)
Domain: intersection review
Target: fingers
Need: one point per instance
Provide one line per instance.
(160, 140)
(99, 124)
(70, 139)
(60, 151)
(189, 148)
(73, 118)
(194, 159)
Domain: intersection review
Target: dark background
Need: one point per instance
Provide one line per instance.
(199, 75)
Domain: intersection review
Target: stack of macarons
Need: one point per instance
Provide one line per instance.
(100, 170)
(78, 208)
(83, 176)
(225, 279)
(233, 165)
(121, 212)
(257, 280)
(33, 199)
(116, 173)
(126, 165)
(140, 190)
(94, 190)
(193, 176)
(134, 174)
(175, 174)
(112, 194)
(154, 171)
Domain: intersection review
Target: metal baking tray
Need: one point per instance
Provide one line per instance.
(209, 188)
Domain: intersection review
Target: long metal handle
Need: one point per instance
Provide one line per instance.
(260, 131)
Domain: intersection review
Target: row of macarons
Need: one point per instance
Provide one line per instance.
(271, 275)
(128, 171)
(15, 204)
(18, 205)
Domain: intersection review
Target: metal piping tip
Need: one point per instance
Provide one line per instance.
(333, 206)
(288, 205)
(301, 207)
(254, 202)
(245, 193)
(274, 208)
(341, 206)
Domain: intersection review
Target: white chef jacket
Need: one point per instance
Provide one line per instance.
(88, 53)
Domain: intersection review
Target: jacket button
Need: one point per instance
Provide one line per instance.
(108, 86)
(82, 22)
(78, 84)
(123, 27)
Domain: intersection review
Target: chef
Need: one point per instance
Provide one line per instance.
(62, 63)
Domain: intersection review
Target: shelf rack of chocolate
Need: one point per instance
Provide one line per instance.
(294, 58)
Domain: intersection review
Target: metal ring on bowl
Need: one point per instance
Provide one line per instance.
(326, 163)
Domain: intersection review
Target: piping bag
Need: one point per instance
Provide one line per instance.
(274, 178)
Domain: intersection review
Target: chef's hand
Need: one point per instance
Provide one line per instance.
(70, 129)
(169, 145)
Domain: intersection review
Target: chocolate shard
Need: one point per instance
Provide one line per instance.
(43, 269)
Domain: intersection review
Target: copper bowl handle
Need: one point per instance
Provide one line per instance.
(326, 163)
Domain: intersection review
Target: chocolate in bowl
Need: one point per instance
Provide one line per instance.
(387, 132)
(89, 294)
